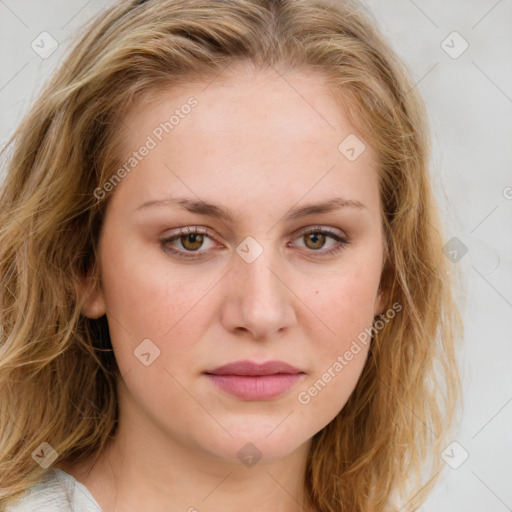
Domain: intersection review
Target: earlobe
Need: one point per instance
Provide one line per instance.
(384, 291)
(380, 302)
(93, 299)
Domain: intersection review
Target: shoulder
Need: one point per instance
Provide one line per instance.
(56, 492)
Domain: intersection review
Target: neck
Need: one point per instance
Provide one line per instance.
(157, 472)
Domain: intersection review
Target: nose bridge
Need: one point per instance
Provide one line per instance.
(263, 303)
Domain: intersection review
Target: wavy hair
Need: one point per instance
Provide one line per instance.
(57, 370)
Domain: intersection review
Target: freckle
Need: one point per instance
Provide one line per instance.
(316, 292)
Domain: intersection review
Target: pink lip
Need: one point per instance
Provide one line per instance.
(255, 381)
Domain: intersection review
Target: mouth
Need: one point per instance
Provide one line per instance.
(248, 380)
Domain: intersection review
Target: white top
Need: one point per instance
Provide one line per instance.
(58, 491)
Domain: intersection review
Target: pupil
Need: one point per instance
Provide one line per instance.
(194, 240)
(316, 238)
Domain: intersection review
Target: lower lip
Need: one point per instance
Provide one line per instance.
(255, 387)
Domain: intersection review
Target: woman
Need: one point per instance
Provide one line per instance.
(223, 278)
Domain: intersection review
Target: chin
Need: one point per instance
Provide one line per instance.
(263, 441)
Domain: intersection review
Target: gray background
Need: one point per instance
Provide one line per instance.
(469, 97)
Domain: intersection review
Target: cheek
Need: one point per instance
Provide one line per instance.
(346, 307)
(325, 394)
(145, 301)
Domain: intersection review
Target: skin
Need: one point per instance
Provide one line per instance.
(256, 146)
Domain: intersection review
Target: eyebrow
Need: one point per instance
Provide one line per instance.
(205, 208)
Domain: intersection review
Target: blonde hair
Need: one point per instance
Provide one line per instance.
(57, 372)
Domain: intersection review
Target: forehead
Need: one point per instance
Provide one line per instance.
(245, 129)
(244, 101)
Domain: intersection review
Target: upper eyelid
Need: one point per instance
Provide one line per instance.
(326, 229)
(183, 231)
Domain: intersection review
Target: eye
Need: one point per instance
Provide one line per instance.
(315, 239)
(190, 239)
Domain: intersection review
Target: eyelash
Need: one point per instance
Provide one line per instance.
(342, 241)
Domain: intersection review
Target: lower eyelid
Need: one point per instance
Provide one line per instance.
(174, 238)
(341, 242)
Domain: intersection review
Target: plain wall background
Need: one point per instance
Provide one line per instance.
(469, 97)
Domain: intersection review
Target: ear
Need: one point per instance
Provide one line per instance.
(94, 300)
(383, 293)
(380, 301)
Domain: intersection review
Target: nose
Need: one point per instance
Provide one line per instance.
(258, 298)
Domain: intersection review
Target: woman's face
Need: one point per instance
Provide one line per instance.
(271, 275)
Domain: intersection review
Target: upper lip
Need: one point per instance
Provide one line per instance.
(253, 368)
